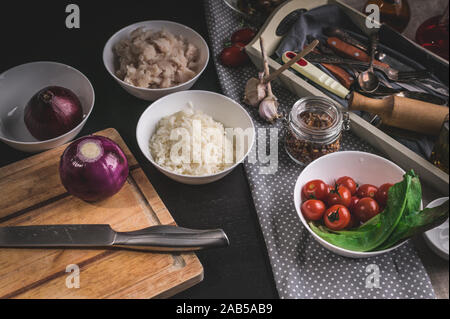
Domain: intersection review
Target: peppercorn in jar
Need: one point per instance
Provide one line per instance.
(314, 129)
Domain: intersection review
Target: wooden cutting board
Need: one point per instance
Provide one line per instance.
(31, 194)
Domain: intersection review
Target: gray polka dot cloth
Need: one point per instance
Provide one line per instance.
(302, 268)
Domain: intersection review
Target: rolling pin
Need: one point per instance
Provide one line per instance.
(409, 114)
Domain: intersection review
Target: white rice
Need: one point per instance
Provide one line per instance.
(190, 142)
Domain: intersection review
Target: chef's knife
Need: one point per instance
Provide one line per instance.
(156, 238)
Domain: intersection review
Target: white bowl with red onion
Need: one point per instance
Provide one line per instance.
(153, 92)
(43, 105)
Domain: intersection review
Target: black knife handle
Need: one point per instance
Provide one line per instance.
(171, 238)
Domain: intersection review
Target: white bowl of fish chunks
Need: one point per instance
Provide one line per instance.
(152, 59)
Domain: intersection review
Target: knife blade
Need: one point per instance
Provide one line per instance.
(157, 238)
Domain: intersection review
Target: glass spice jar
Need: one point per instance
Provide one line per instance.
(314, 129)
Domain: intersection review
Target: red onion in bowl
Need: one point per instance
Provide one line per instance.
(52, 112)
(93, 168)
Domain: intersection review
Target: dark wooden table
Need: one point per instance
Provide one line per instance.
(36, 31)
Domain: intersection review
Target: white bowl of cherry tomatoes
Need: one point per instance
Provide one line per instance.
(342, 191)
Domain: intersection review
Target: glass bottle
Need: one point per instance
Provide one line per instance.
(395, 13)
(433, 34)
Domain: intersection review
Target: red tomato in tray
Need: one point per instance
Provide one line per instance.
(315, 189)
(234, 56)
(313, 209)
(340, 195)
(366, 209)
(382, 194)
(367, 190)
(349, 183)
(353, 202)
(244, 35)
(337, 217)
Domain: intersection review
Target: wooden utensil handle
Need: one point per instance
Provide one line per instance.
(343, 76)
(413, 115)
(352, 52)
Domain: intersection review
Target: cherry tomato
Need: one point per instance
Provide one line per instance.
(313, 209)
(382, 194)
(337, 217)
(245, 36)
(367, 190)
(315, 189)
(340, 195)
(354, 222)
(353, 202)
(234, 56)
(330, 188)
(366, 209)
(349, 183)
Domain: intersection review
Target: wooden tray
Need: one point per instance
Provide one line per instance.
(399, 153)
(31, 194)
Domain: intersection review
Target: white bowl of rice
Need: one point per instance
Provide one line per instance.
(195, 137)
(152, 59)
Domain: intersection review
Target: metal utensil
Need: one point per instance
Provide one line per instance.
(322, 79)
(346, 37)
(156, 238)
(392, 74)
(433, 85)
(368, 80)
(414, 115)
(421, 96)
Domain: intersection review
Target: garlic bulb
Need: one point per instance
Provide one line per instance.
(255, 91)
(268, 108)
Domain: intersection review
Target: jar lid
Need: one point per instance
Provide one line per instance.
(316, 118)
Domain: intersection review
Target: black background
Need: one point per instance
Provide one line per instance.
(35, 31)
